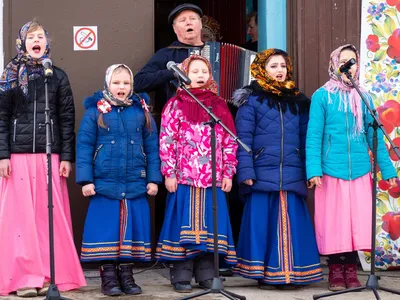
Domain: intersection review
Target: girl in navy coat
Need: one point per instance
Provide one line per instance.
(117, 165)
(276, 243)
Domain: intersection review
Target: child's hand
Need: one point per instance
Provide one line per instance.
(315, 181)
(152, 189)
(310, 185)
(5, 168)
(392, 182)
(65, 168)
(226, 185)
(248, 181)
(88, 190)
(171, 184)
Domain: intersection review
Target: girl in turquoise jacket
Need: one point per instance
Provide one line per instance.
(338, 164)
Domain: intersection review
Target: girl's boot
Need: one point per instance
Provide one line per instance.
(336, 277)
(109, 280)
(126, 280)
(350, 276)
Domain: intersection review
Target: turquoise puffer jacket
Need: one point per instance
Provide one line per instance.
(332, 149)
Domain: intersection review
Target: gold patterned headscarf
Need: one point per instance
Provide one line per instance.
(266, 82)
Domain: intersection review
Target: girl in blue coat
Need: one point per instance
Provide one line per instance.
(276, 244)
(118, 165)
(339, 165)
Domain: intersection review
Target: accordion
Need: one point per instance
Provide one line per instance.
(230, 65)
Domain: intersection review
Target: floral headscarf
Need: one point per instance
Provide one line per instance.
(15, 73)
(210, 85)
(104, 105)
(349, 98)
(266, 82)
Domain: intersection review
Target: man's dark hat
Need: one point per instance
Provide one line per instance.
(180, 8)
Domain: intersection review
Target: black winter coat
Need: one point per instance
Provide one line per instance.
(22, 121)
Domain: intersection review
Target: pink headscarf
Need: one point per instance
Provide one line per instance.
(211, 84)
(349, 98)
(207, 94)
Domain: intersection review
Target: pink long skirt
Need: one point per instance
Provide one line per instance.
(24, 230)
(343, 215)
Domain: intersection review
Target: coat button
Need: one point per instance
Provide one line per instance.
(113, 142)
(132, 142)
(123, 194)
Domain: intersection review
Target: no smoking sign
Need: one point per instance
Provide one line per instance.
(85, 38)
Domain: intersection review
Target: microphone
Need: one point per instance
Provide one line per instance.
(345, 67)
(178, 72)
(47, 64)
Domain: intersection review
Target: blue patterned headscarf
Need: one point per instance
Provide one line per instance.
(15, 73)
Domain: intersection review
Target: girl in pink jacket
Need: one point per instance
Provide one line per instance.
(186, 239)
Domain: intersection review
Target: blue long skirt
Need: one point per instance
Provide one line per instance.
(188, 225)
(117, 230)
(277, 242)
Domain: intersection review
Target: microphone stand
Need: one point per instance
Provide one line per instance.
(217, 284)
(52, 293)
(372, 282)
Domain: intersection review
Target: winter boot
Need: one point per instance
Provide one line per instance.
(109, 280)
(181, 273)
(336, 277)
(350, 276)
(126, 280)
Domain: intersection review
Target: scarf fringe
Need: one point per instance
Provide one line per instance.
(350, 101)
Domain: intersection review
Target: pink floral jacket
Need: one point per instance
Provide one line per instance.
(185, 149)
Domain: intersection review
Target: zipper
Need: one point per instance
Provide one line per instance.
(144, 154)
(348, 142)
(258, 153)
(329, 146)
(122, 119)
(97, 152)
(120, 110)
(15, 130)
(52, 130)
(282, 137)
(34, 119)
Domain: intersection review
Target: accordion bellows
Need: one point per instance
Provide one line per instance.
(230, 66)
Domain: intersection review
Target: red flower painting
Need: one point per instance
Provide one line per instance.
(391, 224)
(393, 50)
(394, 3)
(393, 191)
(389, 115)
(373, 43)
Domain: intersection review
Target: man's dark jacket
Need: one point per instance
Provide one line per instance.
(155, 76)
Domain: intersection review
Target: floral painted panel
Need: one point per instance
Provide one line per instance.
(380, 69)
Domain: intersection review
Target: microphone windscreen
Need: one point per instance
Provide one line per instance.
(47, 61)
(170, 64)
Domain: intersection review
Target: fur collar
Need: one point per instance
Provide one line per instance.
(296, 104)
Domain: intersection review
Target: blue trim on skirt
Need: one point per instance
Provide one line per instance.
(188, 225)
(117, 230)
(277, 242)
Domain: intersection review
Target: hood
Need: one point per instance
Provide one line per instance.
(240, 96)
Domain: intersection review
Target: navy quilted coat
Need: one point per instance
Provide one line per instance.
(276, 136)
(121, 159)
